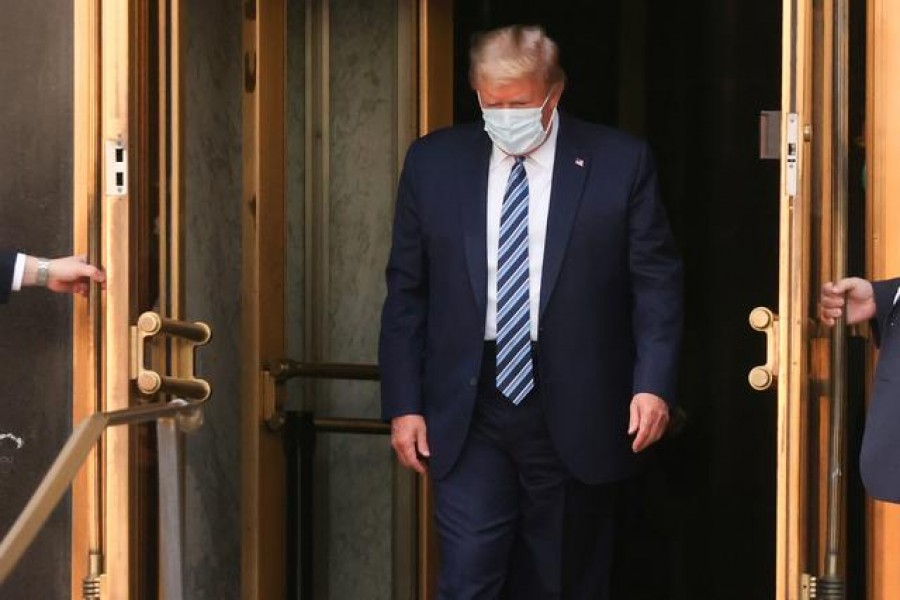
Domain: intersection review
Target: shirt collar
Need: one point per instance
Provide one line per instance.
(542, 157)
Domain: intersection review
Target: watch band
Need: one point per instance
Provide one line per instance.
(43, 272)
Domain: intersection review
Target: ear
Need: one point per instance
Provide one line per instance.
(556, 93)
(552, 102)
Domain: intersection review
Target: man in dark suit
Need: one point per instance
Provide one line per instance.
(70, 274)
(531, 330)
(862, 300)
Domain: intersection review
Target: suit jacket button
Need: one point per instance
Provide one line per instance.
(473, 381)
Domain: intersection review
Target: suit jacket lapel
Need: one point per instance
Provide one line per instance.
(472, 190)
(570, 170)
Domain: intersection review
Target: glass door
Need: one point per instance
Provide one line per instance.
(820, 531)
(132, 350)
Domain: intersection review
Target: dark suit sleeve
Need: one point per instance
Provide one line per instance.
(656, 287)
(404, 317)
(885, 291)
(7, 266)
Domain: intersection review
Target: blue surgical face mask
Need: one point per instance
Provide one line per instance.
(516, 131)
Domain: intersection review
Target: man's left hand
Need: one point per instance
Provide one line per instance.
(649, 419)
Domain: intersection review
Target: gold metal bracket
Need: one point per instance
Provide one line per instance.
(272, 402)
(188, 335)
(764, 376)
(276, 372)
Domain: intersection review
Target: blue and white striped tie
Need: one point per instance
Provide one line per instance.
(515, 370)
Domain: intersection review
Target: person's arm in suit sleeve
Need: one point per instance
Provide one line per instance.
(656, 287)
(7, 269)
(69, 274)
(404, 317)
(885, 294)
(401, 345)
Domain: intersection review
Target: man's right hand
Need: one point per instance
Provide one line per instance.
(409, 441)
(858, 296)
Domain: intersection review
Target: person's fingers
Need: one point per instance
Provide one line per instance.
(422, 442)
(662, 423)
(401, 448)
(842, 286)
(404, 439)
(634, 418)
(833, 301)
(832, 313)
(642, 438)
(652, 426)
(93, 273)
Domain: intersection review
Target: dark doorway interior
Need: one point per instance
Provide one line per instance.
(690, 77)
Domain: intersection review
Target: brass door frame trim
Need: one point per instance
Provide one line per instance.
(822, 235)
(111, 104)
(793, 303)
(86, 518)
(833, 569)
(435, 64)
(119, 459)
(173, 270)
(263, 283)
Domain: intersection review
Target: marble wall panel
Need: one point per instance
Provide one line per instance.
(363, 128)
(35, 327)
(212, 79)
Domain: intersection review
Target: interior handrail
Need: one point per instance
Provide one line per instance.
(283, 369)
(66, 466)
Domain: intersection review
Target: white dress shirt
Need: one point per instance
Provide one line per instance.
(18, 272)
(539, 169)
(897, 296)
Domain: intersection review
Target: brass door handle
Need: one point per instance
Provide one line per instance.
(764, 376)
(189, 335)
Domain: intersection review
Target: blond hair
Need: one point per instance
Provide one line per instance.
(514, 52)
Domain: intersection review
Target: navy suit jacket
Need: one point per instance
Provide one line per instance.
(7, 266)
(611, 294)
(880, 455)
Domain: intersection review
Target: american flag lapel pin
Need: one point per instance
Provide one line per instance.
(579, 162)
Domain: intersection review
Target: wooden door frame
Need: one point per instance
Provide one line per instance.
(263, 523)
(793, 365)
(102, 505)
(112, 514)
(85, 312)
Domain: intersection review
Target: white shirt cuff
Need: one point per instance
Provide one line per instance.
(18, 272)
(897, 296)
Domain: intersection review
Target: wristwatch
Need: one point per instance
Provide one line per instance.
(43, 272)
